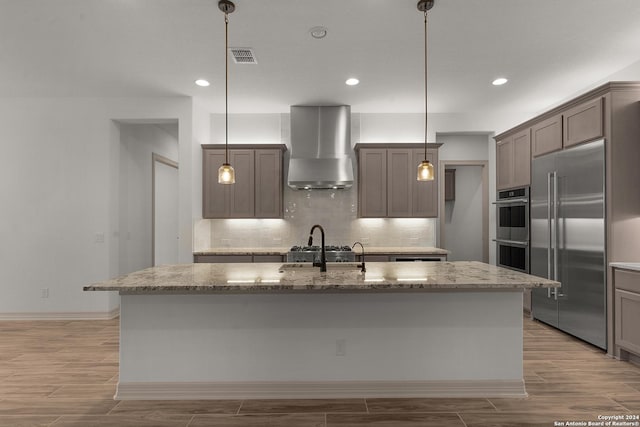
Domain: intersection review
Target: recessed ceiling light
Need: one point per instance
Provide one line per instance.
(318, 32)
(499, 81)
(352, 81)
(202, 82)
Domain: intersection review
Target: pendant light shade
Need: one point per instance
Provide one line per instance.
(425, 168)
(425, 171)
(226, 174)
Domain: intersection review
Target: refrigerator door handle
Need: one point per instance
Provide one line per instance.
(549, 229)
(555, 232)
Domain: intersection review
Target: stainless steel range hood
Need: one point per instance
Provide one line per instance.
(320, 147)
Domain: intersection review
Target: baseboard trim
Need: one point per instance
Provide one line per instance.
(80, 315)
(317, 389)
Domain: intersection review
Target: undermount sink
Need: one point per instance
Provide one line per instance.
(309, 266)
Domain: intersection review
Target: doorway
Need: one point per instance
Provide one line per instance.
(164, 219)
(464, 216)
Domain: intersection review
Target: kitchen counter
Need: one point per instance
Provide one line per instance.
(252, 331)
(242, 251)
(635, 266)
(340, 277)
(373, 250)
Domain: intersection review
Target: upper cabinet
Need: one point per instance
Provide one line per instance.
(551, 132)
(513, 161)
(387, 184)
(257, 192)
(547, 136)
(583, 123)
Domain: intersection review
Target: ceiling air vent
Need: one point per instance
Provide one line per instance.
(243, 55)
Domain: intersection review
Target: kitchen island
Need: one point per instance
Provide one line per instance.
(273, 330)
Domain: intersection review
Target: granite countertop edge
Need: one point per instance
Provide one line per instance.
(635, 266)
(340, 278)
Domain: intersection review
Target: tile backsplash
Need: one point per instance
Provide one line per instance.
(335, 210)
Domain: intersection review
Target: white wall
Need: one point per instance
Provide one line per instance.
(463, 216)
(474, 146)
(138, 142)
(59, 191)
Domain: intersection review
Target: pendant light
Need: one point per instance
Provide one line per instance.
(425, 168)
(226, 174)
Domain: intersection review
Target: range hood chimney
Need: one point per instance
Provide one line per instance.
(320, 147)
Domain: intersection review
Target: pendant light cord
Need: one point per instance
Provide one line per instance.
(226, 89)
(425, 85)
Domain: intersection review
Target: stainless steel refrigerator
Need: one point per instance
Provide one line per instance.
(568, 240)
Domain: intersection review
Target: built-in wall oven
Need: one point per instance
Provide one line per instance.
(512, 232)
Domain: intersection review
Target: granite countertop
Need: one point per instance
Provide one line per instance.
(242, 251)
(626, 265)
(340, 277)
(402, 250)
(373, 250)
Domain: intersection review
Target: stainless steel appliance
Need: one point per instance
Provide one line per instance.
(320, 147)
(568, 240)
(512, 232)
(311, 253)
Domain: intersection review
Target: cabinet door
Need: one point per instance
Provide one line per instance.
(522, 159)
(241, 194)
(399, 182)
(546, 136)
(215, 197)
(627, 309)
(627, 320)
(583, 123)
(449, 185)
(268, 184)
(504, 163)
(425, 193)
(268, 258)
(373, 183)
(222, 258)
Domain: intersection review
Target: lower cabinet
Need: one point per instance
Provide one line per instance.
(237, 258)
(627, 309)
(223, 258)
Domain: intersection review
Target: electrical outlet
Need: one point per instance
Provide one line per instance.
(364, 240)
(99, 238)
(44, 293)
(341, 347)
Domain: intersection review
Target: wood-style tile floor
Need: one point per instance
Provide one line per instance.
(63, 373)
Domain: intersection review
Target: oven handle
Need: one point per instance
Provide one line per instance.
(512, 242)
(504, 202)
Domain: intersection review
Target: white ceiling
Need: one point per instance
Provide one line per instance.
(549, 49)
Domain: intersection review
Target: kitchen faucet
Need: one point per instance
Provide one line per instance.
(362, 267)
(323, 257)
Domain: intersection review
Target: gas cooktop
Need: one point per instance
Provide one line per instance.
(327, 248)
(313, 253)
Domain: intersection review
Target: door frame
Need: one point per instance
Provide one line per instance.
(442, 164)
(166, 161)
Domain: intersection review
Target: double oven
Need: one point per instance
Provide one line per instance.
(512, 233)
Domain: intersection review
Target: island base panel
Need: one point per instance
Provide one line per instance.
(321, 345)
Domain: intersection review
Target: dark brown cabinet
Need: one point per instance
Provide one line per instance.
(387, 184)
(257, 192)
